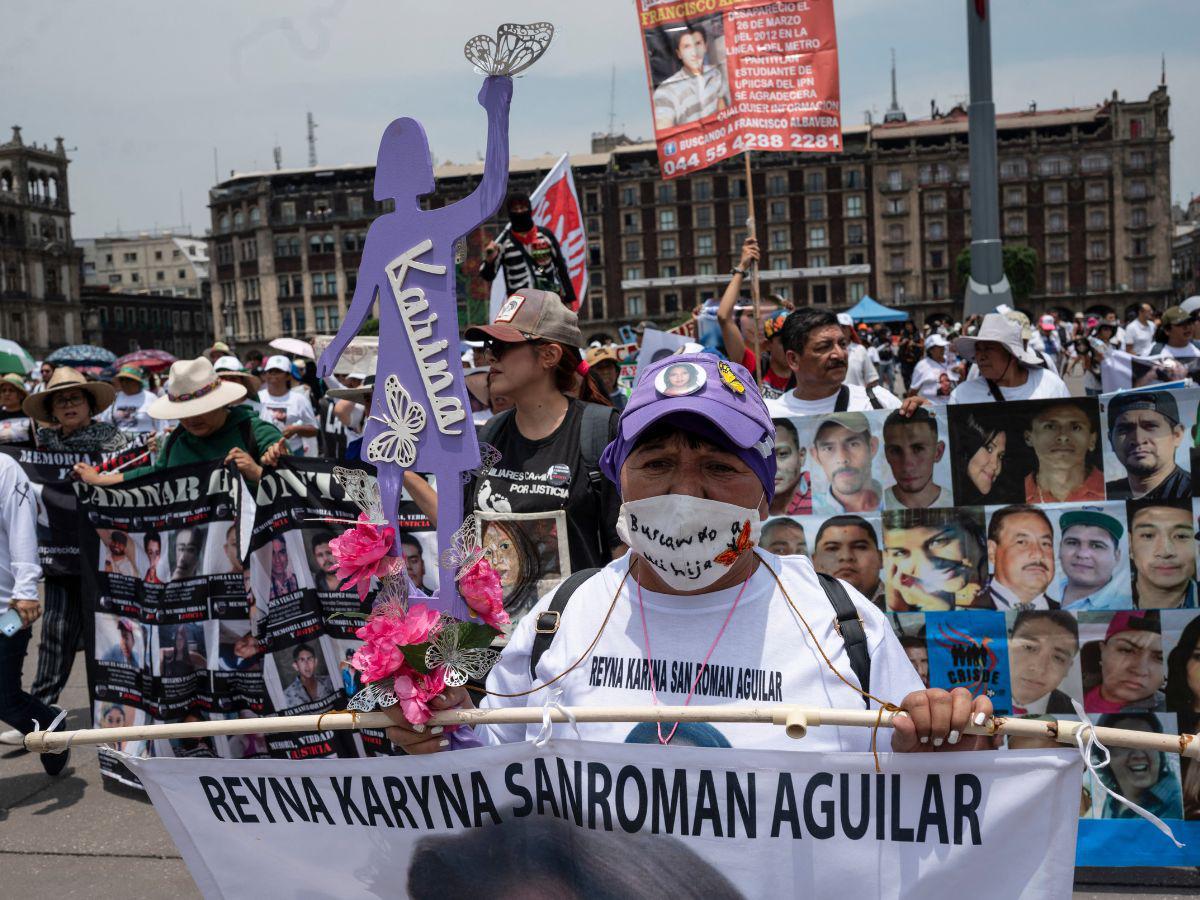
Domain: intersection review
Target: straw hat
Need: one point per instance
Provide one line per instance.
(230, 368)
(193, 389)
(37, 406)
(12, 379)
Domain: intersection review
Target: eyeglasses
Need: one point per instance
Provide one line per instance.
(62, 401)
(496, 348)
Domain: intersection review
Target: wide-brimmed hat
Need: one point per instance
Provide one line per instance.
(597, 355)
(999, 329)
(193, 388)
(131, 372)
(37, 406)
(362, 393)
(531, 314)
(12, 379)
(230, 368)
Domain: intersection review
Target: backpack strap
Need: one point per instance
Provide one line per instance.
(875, 404)
(594, 432)
(550, 619)
(994, 390)
(843, 399)
(1157, 348)
(849, 625)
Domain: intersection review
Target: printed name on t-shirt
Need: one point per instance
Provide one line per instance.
(676, 676)
(554, 481)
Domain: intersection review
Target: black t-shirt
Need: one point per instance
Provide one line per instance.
(331, 433)
(547, 476)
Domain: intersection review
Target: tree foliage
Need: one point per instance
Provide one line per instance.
(1020, 266)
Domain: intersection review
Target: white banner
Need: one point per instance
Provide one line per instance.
(626, 820)
(555, 205)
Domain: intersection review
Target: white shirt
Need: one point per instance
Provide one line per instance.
(764, 656)
(859, 369)
(926, 378)
(1042, 384)
(1140, 336)
(20, 570)
(1187, 351)
(293, 408)
(129, 413)
(791, 405)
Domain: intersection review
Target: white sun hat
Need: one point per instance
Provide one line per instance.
(999, 329)
(194, 388)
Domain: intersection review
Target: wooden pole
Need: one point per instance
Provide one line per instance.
(755, 290)
(795, 719)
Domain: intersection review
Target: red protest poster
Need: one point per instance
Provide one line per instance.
(733, 75)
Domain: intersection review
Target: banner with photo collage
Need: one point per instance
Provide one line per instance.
(168, 634)
(1040, 552)
(299, 508)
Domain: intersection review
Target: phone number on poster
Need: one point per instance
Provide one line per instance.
(760, 141)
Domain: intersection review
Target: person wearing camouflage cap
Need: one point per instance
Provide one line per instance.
(844, 448)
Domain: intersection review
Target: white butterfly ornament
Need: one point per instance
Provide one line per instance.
(405, 419)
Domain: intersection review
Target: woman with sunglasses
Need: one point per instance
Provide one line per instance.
(550, 441)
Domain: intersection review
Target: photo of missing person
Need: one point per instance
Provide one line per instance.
(187, 549)
(783, 536)
(181, 650)
(528, 552)
(222, 554)
(321, 559)
(1162, 553)
(351, 678)
(793, 483)
(237, 648)
(154, 569)
(1149, 778)
(120, 640)
(1064, 435)
(680, 379)
(686, 63)
(116, 715)
(844, 451)
(1043, 652)
(1121, 659)
(910, 629)
(414, 551)
(556, 857)
(918, 465)
(118, 553)
(1020, 541)
(282, 565)
(933, 559)
(1146, 455)
(981, 443)
(303, 675)
(1181, 641)
(1093, 558)
(847, 547)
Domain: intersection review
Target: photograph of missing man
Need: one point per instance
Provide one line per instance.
(689, 81)
(910, 629)
(1043, 662)
(181, 650)
(321, 559)
(793, 482)
(844, 452)
(237, 648)
(1147, 451)
(783, 536)
(120, 641)
(1020, 544)
(914, 448)
(1121, 658)
(222, 554)
(1162, 553)
(1093, 558)
(119, 553)
(934, 560)
(303, 675)
(187, 549)
(1068, 466)
(848, 547)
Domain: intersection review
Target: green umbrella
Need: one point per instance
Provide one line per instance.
(14, 358)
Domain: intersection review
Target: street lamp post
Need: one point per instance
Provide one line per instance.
(987, 286)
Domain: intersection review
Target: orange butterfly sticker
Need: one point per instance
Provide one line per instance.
(730, 554)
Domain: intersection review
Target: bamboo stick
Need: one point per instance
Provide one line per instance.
(795, 719)
(755, 290)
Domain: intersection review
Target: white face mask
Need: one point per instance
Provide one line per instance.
(689, 541)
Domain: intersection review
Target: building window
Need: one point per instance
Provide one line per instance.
(1057, 282)
(631, 222)
(777, 184)
(1138, 190)
(633, 273)
(1097, 249)
(777, 211)
(635, 305)
(896, 205)
(705, 245)
(285, 319)
(852, 179)
(816, 236)
(737, 188)
(937, 288)
(1140, 247)
(1056, 194)
(1137, 217)
(896, 262)
(816, 207)
(706, 267)
(937, 259)
(1097, 218)
(668, 248)
(702, 189)
(255, 215)
(633, 250)
(1098, 280)
(856, 290)
(1056, 251)
(1096, 190)
(666, 192)
(780, 239)
(937, 230)
(629, 195)
(703, 216)
(1054, 165)
(1141, 278)
(895, 232)
(1014, 196)
(667, 271)
(1094, 162)
(738, 213)
(854, 206)
(895, 181)
(666, 220)
(223, 222)
(160, 275)
(671, 302)
(1056, 221)
(1137, 127)
(817, 261)
(820, 293)
(935, 202)
(1013, 168)
(897, 291)
(1014, 223)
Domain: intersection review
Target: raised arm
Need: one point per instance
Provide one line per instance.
(735, 344)
(481, 204)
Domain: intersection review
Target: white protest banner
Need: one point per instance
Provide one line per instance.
(626, 820)
(556, 206)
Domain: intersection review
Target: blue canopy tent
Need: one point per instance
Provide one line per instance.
(868, 310)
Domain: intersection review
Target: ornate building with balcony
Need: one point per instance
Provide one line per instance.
(39, 263)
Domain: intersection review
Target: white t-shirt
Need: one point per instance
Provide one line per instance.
(1140, 336)
(926, 378)
(790, 405)
(1187, 351)
(292, 408)
(765, 656)
(859, 369)
(128, 412)
(1042, 384)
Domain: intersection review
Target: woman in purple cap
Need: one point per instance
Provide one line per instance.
(694, 612)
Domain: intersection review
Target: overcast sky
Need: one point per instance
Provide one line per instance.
(143, 92)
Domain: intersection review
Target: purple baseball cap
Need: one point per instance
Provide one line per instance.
(699, 392)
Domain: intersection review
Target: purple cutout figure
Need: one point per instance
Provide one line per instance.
(420, 416)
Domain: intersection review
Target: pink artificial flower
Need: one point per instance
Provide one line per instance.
(480, 587)
(416, 690)
(385, 633)
(362, 553)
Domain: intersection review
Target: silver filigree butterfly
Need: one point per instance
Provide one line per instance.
(514, 49)
(460, 663)
(376, 695)
(463, 551)
(489, 457)
(362, 489)
(405, 419)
